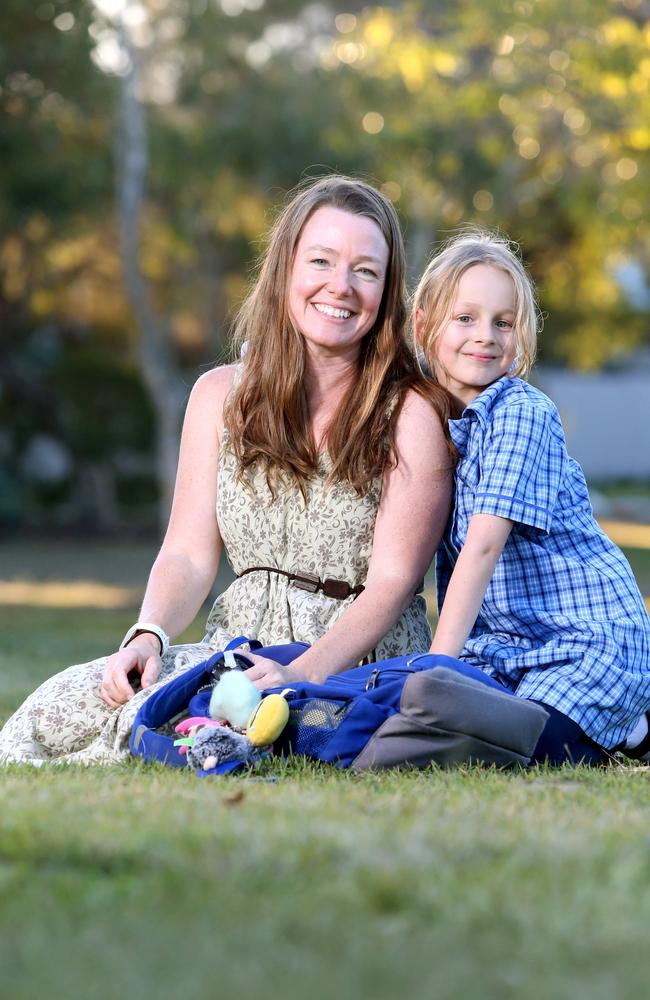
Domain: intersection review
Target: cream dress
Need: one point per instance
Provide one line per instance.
(329, 534)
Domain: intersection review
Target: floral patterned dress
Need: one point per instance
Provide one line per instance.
(329, 533)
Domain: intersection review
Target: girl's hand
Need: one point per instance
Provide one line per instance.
(136, 666)
(267, 673)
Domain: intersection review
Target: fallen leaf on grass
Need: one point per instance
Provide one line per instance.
(235, 798)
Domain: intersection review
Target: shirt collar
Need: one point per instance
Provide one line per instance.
(479, 409)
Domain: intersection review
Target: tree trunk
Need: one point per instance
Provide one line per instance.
(159, 371)
(96, 498)
(422, 236)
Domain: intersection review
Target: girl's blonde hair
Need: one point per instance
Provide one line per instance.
(267, 417)
(438, 287)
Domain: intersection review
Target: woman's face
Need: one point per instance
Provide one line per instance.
(337, 281)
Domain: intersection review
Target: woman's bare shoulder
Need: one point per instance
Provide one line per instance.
(419, 408)
(419, 425)
(209, 395)
(216, 382)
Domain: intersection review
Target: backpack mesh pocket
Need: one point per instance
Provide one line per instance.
(312, 725)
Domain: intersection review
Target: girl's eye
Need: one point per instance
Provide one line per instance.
(464, 318)
(504, 324)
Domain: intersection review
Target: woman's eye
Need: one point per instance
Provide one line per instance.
(464, 318)
(320, 261)
(504, 324)
(367, 272)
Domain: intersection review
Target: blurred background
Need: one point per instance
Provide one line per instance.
(145, 144)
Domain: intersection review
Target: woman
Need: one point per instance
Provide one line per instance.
(327, 467)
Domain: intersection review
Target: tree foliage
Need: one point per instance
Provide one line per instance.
(527, 116)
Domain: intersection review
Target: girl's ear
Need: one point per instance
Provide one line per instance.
(419, 327)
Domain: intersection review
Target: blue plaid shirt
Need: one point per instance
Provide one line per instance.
(562, 620)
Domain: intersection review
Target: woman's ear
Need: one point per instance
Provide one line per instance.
(419, 327)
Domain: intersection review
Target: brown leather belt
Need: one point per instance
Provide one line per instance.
(338, 589)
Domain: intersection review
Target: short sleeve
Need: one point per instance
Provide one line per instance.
(522, 465)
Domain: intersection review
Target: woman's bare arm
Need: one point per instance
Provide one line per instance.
(186, 565)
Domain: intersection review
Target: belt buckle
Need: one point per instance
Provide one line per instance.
(338, 589)
(306, 581)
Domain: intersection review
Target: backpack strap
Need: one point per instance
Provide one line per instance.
(243, 640)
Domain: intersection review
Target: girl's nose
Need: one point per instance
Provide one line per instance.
(485, 330)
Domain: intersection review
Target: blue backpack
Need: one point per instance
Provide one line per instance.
(406, 711)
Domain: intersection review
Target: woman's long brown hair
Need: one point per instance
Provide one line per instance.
(267, 417)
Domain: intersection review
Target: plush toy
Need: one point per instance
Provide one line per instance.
(236, 701)
(268, 720)
(188, 728)
(214, 745)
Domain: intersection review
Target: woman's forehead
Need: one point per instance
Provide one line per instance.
(337, 230)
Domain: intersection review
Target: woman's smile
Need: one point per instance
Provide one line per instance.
(333, 312)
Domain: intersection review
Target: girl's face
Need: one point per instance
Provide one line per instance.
(476, 344)
(337, 281)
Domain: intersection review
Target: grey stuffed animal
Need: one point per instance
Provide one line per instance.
(218, 744)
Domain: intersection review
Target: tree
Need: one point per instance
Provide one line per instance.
(530, 117)
(527, 116)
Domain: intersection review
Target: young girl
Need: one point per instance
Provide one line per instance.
(530, 589)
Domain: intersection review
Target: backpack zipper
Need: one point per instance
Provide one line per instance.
(372, 679)
(378, 674)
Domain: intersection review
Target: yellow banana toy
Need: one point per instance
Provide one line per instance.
(267, 720)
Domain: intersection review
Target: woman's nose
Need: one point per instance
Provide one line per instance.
(339, 281)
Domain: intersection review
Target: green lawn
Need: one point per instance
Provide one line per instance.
(307, 882)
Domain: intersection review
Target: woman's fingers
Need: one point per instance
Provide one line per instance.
(116, 689)
(267, 673)
(151, 671)
(260, 668)
(126, 672)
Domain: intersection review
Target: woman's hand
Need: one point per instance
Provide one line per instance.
(267, 673)
(136, 666)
